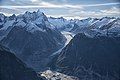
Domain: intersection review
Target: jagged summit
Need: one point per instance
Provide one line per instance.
(86, 25)
(29, 34)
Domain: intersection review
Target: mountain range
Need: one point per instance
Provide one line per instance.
(30, 36)
(88, 48)
(89, 26)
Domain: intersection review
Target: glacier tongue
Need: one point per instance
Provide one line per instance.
(68, 37)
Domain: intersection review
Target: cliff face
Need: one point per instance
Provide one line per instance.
(95, 58)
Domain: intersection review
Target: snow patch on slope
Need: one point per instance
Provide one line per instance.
(7, 24)
(31, 27)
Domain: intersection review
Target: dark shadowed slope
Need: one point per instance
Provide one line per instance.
(12, 68)
(88, 58)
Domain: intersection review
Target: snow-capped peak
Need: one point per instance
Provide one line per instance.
(39, 12)
(32, 16)
(32, 21)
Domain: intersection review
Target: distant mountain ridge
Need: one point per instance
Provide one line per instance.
(90, 26)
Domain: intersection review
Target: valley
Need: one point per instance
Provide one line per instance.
(39, 47)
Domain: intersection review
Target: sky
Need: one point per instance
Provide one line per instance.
(63, 8)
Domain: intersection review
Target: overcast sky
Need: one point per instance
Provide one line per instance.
(65, 8)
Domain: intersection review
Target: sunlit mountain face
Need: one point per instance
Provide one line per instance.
(59, 40)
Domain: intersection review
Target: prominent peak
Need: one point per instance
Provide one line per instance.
(33, 16)
(60, 18)
(1, 14)
(12, 17)
(39, 12)
(27, 12)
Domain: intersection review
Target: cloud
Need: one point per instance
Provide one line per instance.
(45, 5)
(113, 10)
(34, 0)
(12, 0)
(49, 4)
(104, 4)
(71, 13)
(70, 10)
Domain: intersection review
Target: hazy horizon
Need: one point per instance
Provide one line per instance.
(68, 9)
